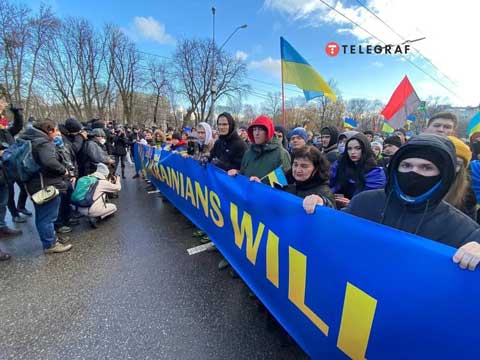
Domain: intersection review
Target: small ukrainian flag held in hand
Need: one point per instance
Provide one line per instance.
(277, 177)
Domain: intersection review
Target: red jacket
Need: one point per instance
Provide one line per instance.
(264, 121)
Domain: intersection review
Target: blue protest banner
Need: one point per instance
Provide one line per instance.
(342, 286)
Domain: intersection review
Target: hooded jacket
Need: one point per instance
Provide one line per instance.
(259, 160)
(228, 150)
(431, 217)
(280, 128)
(46, 155)
(346, 177)
(331, 151)
(206, 147)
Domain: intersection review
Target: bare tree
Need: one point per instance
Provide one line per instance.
(158, 82)
(272, 105)
(194, 60)
(125, 60)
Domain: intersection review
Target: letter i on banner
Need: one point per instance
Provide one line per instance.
(357, 318)
(297, 282)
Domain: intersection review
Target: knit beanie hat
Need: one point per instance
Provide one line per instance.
(462, 150)
(393, 140)
(376, 143)
(73, 125)
(299, 131)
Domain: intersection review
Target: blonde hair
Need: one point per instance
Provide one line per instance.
(458, 191)
(159, 132)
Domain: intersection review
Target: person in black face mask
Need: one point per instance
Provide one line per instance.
(419, 177)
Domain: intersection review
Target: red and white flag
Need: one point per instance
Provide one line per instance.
(403, 102)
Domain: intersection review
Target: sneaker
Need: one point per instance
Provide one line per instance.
(25, 212)
(4, 256)
(64, 229)
(19, 219)
(57, 248)
(63, 239)
(223, 264)
(136, 176)
(6, 232)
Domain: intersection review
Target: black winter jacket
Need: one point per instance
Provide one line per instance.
(314, 186)
(228, 151)
(46, 155)
(120, 144)
(431, 218)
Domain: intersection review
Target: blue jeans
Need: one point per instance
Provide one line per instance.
(3, 204)
(45, 216)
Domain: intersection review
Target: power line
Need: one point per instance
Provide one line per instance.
(405, 41)
(406, 58)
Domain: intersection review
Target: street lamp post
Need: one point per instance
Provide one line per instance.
(214, 71)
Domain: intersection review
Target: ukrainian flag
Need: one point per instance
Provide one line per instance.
(474, 125)
(349, 123)
(387, 128)
(277, 177)
(296, 70)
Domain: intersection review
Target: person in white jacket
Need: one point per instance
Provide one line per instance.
(100, 208)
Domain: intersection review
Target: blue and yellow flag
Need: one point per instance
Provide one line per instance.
(296, 70)
(387, 128)
(474, 125)
(277, 177)
(349, 123)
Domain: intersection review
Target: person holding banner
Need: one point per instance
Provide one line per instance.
(265, 154)
(420, 175)
(355, 171)
(310, 170)
(228, 150)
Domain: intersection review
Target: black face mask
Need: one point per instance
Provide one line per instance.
(414, 184)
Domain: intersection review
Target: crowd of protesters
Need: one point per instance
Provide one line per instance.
(421, 184)
(413, 184)
(65, 153)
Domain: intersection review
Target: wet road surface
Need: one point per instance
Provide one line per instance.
(129, 290)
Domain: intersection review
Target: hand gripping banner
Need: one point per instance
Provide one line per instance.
(343, 287)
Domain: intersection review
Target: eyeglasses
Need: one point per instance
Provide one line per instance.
(279, 135)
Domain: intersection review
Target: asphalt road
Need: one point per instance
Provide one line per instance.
(129, 290)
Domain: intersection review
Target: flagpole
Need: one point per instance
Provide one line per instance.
(283, 100)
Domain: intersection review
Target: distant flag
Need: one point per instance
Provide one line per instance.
(296, 70)
(349, 123)
(276, 177)
(474, 125)
(387, 128)
(403, 102)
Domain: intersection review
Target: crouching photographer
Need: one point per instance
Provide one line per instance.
(100, 207)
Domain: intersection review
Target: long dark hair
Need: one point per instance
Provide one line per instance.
(347, 169)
